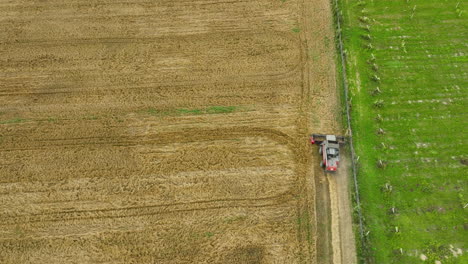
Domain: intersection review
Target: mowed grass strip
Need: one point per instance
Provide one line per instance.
(407, 67)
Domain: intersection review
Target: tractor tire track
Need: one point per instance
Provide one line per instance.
(151, 210)
(193, 135)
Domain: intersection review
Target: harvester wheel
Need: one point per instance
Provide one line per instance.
(321, 164)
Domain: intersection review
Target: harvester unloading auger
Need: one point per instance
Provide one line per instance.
(329, 149)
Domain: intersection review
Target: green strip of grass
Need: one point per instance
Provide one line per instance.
(221, 109)
(13, 121)
(191, 111)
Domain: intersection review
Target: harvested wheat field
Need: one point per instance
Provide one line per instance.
(164, 131)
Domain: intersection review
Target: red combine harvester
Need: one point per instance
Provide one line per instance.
(329, 149)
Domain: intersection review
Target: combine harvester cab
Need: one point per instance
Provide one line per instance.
(329, 150)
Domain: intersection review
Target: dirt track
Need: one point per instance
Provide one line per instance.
(110, 148)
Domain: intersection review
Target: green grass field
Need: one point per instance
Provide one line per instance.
(407, 65)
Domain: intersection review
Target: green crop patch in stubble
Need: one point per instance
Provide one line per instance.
(303, 223)
(221, 109)
(415, 204)
(296, 30)
(12, 121)
(193, 111)
(184, 111)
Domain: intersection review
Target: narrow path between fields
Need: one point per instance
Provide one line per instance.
(335, 238)
(344, 248)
